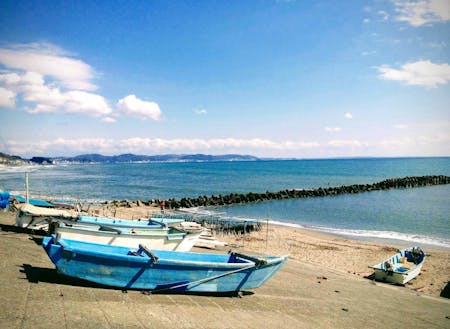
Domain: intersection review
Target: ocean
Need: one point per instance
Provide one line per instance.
(419, 215)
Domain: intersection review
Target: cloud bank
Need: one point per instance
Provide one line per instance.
(429, 145)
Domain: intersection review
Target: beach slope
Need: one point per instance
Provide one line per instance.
(300, 295)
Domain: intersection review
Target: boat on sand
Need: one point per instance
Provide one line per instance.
(167, 239)
(160, 270)
(33, 217)
(401, 267)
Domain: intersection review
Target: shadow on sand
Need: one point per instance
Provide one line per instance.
(36, 274)
(446, 291)
(15, 229)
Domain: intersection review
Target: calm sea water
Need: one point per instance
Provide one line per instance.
(420, 215)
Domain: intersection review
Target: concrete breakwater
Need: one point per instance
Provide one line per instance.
(252, 197)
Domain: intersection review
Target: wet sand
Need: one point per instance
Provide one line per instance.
(319, 287)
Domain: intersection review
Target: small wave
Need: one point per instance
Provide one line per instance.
(387, 235)
(361, 234)
(278, 223)
(202, 211)
(18, 169)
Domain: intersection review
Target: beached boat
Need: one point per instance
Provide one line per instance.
(146, 224)
(160, 270)
(170, 239)
(401, 267)
(30, 216)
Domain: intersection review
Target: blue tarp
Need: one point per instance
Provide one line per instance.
(34, 202)
(4, 199)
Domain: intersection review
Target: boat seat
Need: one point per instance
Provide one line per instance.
(402, 269)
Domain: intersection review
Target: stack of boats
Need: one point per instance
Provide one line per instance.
(149, 254)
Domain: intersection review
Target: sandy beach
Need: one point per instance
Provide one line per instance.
(343, 255)
(321, 286)
(337, 253)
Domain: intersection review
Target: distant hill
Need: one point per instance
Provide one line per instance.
(12, 160)
(127, 158)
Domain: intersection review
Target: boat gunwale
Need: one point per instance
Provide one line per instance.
(149, 233)
(120, 222)
(270, 260)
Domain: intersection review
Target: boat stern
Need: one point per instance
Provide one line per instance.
(53, 250)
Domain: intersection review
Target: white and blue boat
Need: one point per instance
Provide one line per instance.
(401, 267)
(30, 216)
(160, 270)
(147, 224)
(164, 239)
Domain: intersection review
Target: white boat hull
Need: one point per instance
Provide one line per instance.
(401, 267)
(152, 240)
(32, 222)
(397, 278)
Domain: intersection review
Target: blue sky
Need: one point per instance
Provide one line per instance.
(305, 79)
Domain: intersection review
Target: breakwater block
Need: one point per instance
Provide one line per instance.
(252, 197)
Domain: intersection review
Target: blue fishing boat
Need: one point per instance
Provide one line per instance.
(160, 270)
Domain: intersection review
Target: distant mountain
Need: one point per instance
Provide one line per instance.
(127, 158)
(12, 160)
(41, 160)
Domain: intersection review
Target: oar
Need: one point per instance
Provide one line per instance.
(197, 282)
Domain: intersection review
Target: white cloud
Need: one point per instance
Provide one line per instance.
(9, 78)
(48, 98)
(83, 102)
(200, 111)
(348, 143)
(108, 120)
(348, 115)
(133, 106)
(48, 61)
(384, 15)
(333, 129)
(400, 126)
(7, 98)
(48, 80)
(421, 73)
(418, 13)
